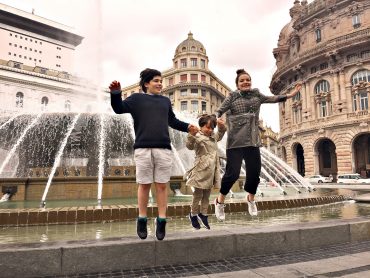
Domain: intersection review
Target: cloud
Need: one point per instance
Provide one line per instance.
(122, 37)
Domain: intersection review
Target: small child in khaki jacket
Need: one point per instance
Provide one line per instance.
(205, 173)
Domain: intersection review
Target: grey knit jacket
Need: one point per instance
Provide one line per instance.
(242, 110)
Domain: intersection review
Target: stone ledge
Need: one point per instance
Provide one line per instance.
(114, 213)
(78, 257)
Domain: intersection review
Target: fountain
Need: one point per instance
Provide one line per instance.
(68, 160)
(79, 168)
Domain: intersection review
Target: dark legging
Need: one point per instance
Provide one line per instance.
(252, 159)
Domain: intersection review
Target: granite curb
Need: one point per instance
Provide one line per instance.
(78, 257)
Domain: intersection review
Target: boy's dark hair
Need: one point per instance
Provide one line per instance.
(205, 118)
(147, 75)
(240, 72)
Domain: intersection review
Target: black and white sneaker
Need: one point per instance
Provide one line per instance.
(141, 228)
(204, 220)
(160, 229)
(194, 221)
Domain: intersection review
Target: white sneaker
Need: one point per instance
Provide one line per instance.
(219, 210)
(252, 208)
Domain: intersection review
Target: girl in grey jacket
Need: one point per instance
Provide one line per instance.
(243, 142)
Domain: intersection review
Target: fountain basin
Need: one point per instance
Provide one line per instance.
(120, 253)
(114, 213)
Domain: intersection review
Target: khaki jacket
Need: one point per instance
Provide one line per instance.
(205, 173)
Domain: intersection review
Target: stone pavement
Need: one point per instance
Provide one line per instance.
(340, 260)
(329, 248)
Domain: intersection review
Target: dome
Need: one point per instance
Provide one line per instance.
(190, 45)
(285, 34)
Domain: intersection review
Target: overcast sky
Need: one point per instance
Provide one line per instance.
(122, 37)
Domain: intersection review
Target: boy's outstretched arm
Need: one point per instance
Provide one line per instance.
(116, 98)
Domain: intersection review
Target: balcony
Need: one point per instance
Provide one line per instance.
(358, 114)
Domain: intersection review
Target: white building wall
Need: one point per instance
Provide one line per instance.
(35, 50)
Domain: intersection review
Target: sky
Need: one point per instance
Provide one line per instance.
(122, 37)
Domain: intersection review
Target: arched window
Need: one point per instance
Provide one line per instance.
(67, 106)
(361, 75)
(19, 100)
(44, 103)
(322, 87)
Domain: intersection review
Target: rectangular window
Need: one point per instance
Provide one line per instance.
(313, 69)
(194, 92)
(323, 109)
(183, 78)
(194, 105)
(354, 103)
(356, 21)
(204, 107)
(193, 62)
(183, 92)
(318, 35)
(17, 65)
(183, 63)
(194, 77)
(204, 94)
(184, 105)
(324, 66)
(202, 63)
(170, 95)
(364, 105)
(170, 81)
(203, 78)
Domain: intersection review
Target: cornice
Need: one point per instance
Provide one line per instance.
(193, 85)
(323, 49)
(36, 84)
(359, 117)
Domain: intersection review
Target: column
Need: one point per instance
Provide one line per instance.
(335, 96)
(316, 164)
(342, 84)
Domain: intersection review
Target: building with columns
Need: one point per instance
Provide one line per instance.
(189, 83)
(36, 65)
(325, 128)
(192, 87)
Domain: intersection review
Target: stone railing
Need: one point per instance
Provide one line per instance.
(358, 114)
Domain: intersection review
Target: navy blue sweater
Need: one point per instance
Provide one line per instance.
(152, 115)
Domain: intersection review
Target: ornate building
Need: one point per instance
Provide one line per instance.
(36, 62)
(192, 87)
(189, 84)
(325, 129)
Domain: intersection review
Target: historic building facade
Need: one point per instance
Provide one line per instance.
(189, 84)
(36, 62)
(326, 46)
(192, 87)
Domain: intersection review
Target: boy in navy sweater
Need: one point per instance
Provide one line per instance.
(152, 114)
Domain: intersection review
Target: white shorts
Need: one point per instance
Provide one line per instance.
(153, 165)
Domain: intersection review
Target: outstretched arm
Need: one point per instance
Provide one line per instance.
(297, 88)
(225, 105)
(117, 104)
(281, 98)
(221, 129)
(180, 125)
